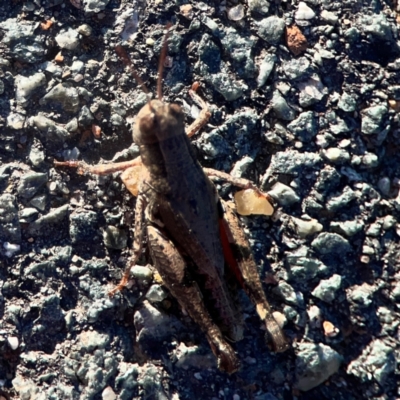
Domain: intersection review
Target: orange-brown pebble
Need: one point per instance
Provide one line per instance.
(59, 57)
(46, 24)
(295, 40)
(330, 330)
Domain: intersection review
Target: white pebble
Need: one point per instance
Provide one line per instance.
(11, 248)
(13, 342)
(304, 12)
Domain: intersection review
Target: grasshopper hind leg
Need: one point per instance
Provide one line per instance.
(172, 268)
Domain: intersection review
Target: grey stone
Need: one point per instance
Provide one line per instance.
(89, 340)
(241, 167)
(337, 202)
(266, 67)
(214, 144)
(305, 126)
(30, 184)
(225, 85)
(142, 273)
(64, 94)
(239, 48)
(287, 293)
(303, 266)
(327, 288)
(361, 295)
(271, 29)
(311, 91)
(259, 6)
(347, 228)
(347, 103)
(296, 68)
(49, 129)
(28, 215)
(376, 362)
(156, 293)
(372, 119)
(26, 85)
(36, 156)
(315, 363)
(281, 108)
(377, 25)
(94, 6)
(115, 238)
(68, 39)
(85, 116)
(283, 194)
(384, 185)
(24, 43)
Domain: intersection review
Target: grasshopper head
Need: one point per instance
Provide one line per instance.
(158, 121)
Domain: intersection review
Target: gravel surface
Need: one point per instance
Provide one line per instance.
(304, 99)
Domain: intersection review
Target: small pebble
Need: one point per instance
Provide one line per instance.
(236, 13)
(330, 330)
(13, 342)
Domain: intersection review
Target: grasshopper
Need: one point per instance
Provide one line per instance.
(194, 237)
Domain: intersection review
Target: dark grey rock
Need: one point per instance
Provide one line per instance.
(225, 85)
(152, 326)
(287, 293)
(239, 49)
(85, 116)
(331, 244)
(82, 225)
(315, 363)
(115, 238)
(42, 225)
(10, 230)
(30, 184)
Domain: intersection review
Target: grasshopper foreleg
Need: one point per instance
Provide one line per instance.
(172, 268)
(141, 203)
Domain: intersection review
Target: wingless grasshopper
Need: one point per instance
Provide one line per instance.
(195, 238)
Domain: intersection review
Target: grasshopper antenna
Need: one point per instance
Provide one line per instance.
(123, 55)
(163, 55)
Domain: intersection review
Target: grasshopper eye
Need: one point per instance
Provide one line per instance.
(148, 124)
